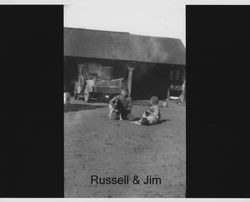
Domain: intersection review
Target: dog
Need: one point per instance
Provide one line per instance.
(115, 106)
(66, 100)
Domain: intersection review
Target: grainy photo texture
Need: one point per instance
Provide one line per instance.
(124, 105)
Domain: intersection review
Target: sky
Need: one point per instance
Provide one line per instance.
(163, 18)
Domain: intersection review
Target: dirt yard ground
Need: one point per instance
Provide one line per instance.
(95, 145)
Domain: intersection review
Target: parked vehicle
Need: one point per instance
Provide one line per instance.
(103, 90)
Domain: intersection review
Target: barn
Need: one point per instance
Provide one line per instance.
(149, 65)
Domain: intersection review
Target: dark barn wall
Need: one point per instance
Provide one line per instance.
(70, 74)
(153, 80)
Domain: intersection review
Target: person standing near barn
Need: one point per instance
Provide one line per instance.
(89, 88)
(182, 96)
(127, 106)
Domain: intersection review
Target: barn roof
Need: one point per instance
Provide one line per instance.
(123, 46)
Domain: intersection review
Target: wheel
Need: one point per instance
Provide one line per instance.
(75, 95)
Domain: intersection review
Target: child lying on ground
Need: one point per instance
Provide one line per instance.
(152, 115)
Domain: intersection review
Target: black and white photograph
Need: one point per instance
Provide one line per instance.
(125, 99)
(156, 100)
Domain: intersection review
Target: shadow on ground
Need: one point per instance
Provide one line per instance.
(160, 122)
(80, 107)
(163, 120)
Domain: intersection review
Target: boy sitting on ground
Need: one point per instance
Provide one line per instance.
(124, 112)
(151, 115)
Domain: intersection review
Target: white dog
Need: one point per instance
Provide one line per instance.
(115, 106)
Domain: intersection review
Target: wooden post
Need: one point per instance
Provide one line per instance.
(130, 76)
(80, 72)
(168, 95)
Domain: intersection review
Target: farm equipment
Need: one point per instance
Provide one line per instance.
(98, 90)
(95, 86)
